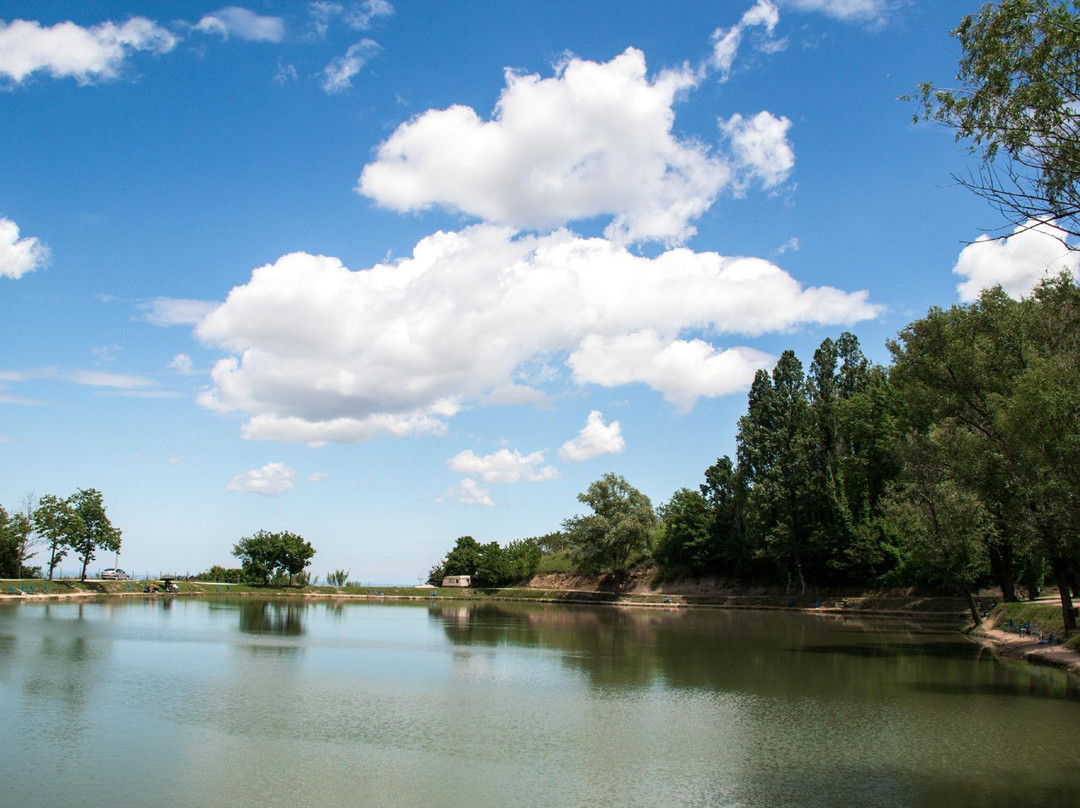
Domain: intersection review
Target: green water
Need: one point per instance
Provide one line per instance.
(230, 703)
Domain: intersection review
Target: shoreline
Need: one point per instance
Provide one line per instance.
(1003, 644)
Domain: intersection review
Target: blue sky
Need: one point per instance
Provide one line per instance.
(387, 274)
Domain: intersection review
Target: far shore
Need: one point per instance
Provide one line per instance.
(892, 603)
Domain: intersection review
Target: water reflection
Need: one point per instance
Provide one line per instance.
(265, 617)
(739, 650)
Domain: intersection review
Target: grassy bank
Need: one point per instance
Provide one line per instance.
(1041, 620)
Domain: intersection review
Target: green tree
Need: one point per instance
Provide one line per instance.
(91, 529)
(945, 522)
(1018, 98)
(264, 553)
(685, 543)
(774, 446)
(523, 556)
(55, 521)
(464, 558)
(616, 533)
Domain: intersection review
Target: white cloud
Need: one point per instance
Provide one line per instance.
(358, 16)
(684, 370)
(791, 245)
(168, 311)
(182, 363)
(760, 148)
(67, 49)
(272, 480)
(321, 353)
(318, 477)
(594, 140)
(1033, 252)
(468, 493)
(504, 466)
(19, 255)
(595, 439)
(859, 11)
(338, 75)
(242, 24)
(90, 378)
(726, 41)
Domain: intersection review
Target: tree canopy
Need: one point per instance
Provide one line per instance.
(264, 554)
(1018, 106)
(619, 528)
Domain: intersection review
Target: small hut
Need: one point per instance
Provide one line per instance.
(457, 580)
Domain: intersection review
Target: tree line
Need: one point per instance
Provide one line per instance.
(957, 466)
(76, 524)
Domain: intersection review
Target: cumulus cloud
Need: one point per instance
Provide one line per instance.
(321, 353)
(593, 140)
(684, 370)
(168, 311)
(726, 41)
(504, 466)
(338, 75)
(67, 49)
(760, 148)
(1034, 251)
(468, 493)
(595, 439)
(19, 255)
(242, 24)
(272, 480)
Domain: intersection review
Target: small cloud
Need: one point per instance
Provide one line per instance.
(871, 12)
(19, 255)
(468, 493)
(285, 73)
(318, 476)
(106, 353)
(504, 466)
(169, 311)
(182, 363)
(357, 16)
(338, 75)
(595, 439)
(242, 24)
(67, 49)
(791, 245)
(726, 41)
(272, 480)
(172, 461)
(1035, 250)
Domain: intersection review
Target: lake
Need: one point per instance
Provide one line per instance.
(230, 702)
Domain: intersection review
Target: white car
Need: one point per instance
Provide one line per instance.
(114, 574)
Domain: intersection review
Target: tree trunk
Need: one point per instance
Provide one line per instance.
(1001, 559)
(1061, 577)
(976, 617)
(86, 560)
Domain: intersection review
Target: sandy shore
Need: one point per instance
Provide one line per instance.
(1015, 646)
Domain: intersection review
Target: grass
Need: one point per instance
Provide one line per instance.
(1043, 618)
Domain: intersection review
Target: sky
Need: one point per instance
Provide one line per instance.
(386, 274)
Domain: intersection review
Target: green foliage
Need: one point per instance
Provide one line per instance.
(267, 555)
(1018, 105)
(91, 528)
(223, 575)
(618, 531)
(337, 577)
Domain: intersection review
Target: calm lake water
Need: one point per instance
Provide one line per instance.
(244, 702)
